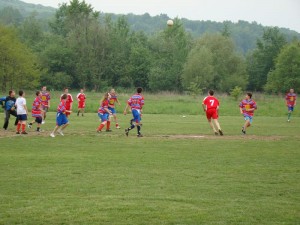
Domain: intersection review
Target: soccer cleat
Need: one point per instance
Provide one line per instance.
(24, 132)
(221, 132)
(52, 135)
(288, 120)
(78, 114)
(118, 127)
(140, 135)
(60, 132)
(108, 130)
(243, 131)
(216, 133)
(43, 122)
(126, 132)
(18, 132)
(99, 131)
(29, 125)
(39, 130)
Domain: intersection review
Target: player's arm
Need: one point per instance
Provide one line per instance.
(204, 107)
(117, 100)
(25, 107)
(126, 108)
(48, 103)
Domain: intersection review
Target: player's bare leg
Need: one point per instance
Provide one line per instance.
(216, 122)
(54, 131)
(99, 129)
(116, 121)
(246, 124)
(212, 127)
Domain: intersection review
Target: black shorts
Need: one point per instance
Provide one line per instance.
(22, 117)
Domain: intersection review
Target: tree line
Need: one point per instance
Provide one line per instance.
(82, 49)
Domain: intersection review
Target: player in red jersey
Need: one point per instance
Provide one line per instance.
(81, 102)
(111, 105)
(290, 99)
(247, 107)
(69, 101)
(61, 118)
(103, 113)
(210, 106)
(135, 103)
(37, 111)
(45, 101)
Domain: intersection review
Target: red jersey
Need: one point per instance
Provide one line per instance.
(211, 102)
(81, 97)
(112, 101)
(69, 100)
(103, 106)
(245, 105)
(136, 101)
(62, 106)
(36, 105)
(45, 98)
(290, 99)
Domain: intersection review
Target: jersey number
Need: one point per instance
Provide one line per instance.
(212, 102)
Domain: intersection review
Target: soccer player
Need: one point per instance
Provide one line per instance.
(210, 106)
(104, 113)
(136, 103)
(247, 107)
(290, 99)
(22, 112)
(81, 102)
(45, 102)
(37, 111)
(61, 118)
(69, 102)
(111, 106)
(9, 108)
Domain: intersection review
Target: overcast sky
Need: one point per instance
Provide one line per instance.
(281, 13)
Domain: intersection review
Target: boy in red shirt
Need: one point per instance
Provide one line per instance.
(247, 107)
(37, 111)
(210, 106)
(290, 99)
(81, 102)
(111, 105)
(69, 101)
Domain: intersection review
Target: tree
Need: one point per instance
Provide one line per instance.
(286, 73)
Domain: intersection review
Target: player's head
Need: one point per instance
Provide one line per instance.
(44, 88)
(249, 95)
(38, 93)
(21, 93)
(81, 90)
(11, 93)
(139, 90)
(211, 92)
(112, 91)
(64, 96)
(66, 90)
(291, 90)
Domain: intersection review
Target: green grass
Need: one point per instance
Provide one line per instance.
(167, 177)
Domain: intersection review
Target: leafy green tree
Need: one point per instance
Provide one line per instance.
(286, 74)
(262, 60)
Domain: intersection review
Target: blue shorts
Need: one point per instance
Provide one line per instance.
(113, 110)
(22, 117)
(103, 116)
(136, 115)
(291, 108)
(61, 119)
(250, 118)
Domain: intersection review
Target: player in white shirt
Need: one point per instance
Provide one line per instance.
(22, 113)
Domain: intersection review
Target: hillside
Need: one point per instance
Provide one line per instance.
(245, 34)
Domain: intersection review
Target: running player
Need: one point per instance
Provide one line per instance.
(290, 99)
(61, 118)
(81, 102)
(22, 112)
(104, 113)
(69, 102)
(211, 105)
(111, 106)
(45, 101)
(37, 111)
(247, 107)
(136, 103)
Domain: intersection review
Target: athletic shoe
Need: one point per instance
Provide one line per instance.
(78, 114)
(24, 132)
(221, 132)
(29, 125)
(118, 127)
(216, 133)
(40, 130)
(52, 135)
(99, 131)
(60, 132)
(108, 130)
(126, 132)
(43, 122)
(243, 131)
(288, 120)
(140, 135)
(18, 132)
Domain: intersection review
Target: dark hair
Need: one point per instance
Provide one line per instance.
(21, 92)
(11, 91)
(139, 90)
(37, 93)
(64, 96)
(211, 92)
(249, 94)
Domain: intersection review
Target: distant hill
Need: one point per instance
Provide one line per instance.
(245, 34)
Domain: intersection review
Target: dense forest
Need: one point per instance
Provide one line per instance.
(76, 46)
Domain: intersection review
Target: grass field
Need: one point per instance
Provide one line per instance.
(178, 173)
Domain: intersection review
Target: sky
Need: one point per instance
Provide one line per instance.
(281, 13)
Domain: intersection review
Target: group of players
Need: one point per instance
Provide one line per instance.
(41, 104)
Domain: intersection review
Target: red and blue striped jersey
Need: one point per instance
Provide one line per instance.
(103, 106)
(62, 106)
(136, 101)
(245, 105)
(290, 99)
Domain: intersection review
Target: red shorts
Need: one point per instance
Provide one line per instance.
(212, 113)
(81, 105)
